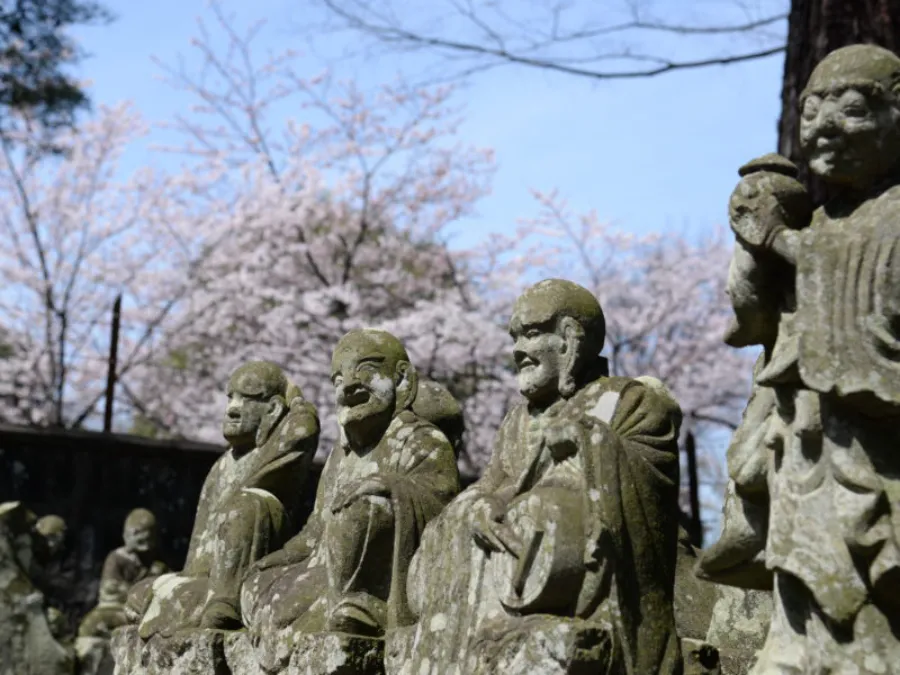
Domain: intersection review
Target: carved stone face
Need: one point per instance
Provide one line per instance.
(52, 530)
(247, 405)
(364, 379)
(140, 536)
(849, 135)
(538, 353)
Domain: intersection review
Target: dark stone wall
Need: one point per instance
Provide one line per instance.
(93, 480)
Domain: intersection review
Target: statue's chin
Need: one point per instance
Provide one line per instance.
(536, 388)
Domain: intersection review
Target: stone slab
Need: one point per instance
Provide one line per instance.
(191, 653)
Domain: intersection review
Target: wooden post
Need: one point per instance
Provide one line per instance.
(113, 356)
(690, 447)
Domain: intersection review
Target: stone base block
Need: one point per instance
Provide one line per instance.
(191, 653)
(315, 654)
(541, 645)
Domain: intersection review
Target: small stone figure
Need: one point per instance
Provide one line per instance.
(123, 568)
(833, 486)
(345, 572)
(29, 642)
(561, 558)
(247, 507)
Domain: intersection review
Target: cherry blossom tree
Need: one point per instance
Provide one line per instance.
(341, 220)
(79, 231)
(334, 222)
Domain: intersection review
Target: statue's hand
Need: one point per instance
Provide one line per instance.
(489, 530)
(562, 439)
(279, 558)
(370, 486)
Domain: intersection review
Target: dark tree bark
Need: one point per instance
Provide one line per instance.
(815, 28)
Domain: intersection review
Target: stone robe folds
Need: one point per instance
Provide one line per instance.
(835, 520)
(364, 549)
(246, 509)
(625, 477)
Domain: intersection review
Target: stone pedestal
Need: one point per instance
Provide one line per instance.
(543, 645)
(191, 653)
(317, 654)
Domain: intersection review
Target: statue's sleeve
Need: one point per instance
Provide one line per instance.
(422, 479)
(495, 475)
(301, 545)
(202, 516)
(635, 472)
(288, 455)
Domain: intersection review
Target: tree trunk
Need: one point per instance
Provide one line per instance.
(815, 28)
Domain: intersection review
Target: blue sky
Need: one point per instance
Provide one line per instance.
(647, 154)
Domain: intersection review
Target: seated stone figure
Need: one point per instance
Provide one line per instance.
(29, 642)
(123, 568)
(247, 507)
(561, 558)
(389, 474)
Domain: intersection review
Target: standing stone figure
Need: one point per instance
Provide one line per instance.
(833, 530)
(248, 505)
(390, 473)
(29, 642)
(123, 568)
(561, 558)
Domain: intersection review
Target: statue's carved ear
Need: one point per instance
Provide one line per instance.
(407, 385)
(573, 348)
(275, 411)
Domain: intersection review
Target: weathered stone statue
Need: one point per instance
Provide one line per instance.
(833, 485)
(123, 568)
(345, 573)
(247, 505)
(561, 558)
(29, 642)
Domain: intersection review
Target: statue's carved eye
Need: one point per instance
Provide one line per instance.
(811, 107)
(855, 110)
(367, 367)
(533, 333)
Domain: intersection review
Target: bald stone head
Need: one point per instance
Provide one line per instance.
(140, 532)
(254, 391)
(559, 329)
(52, 530)
(850, 116)
(373, 380)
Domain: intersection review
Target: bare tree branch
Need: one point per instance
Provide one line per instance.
(503, 40)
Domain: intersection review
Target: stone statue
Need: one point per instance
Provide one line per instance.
(248, 505)
(832, 532)
(561, 558)
(389, 474)
(29, 640)
(123, 568)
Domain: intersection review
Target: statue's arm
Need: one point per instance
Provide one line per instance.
(202, 515)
